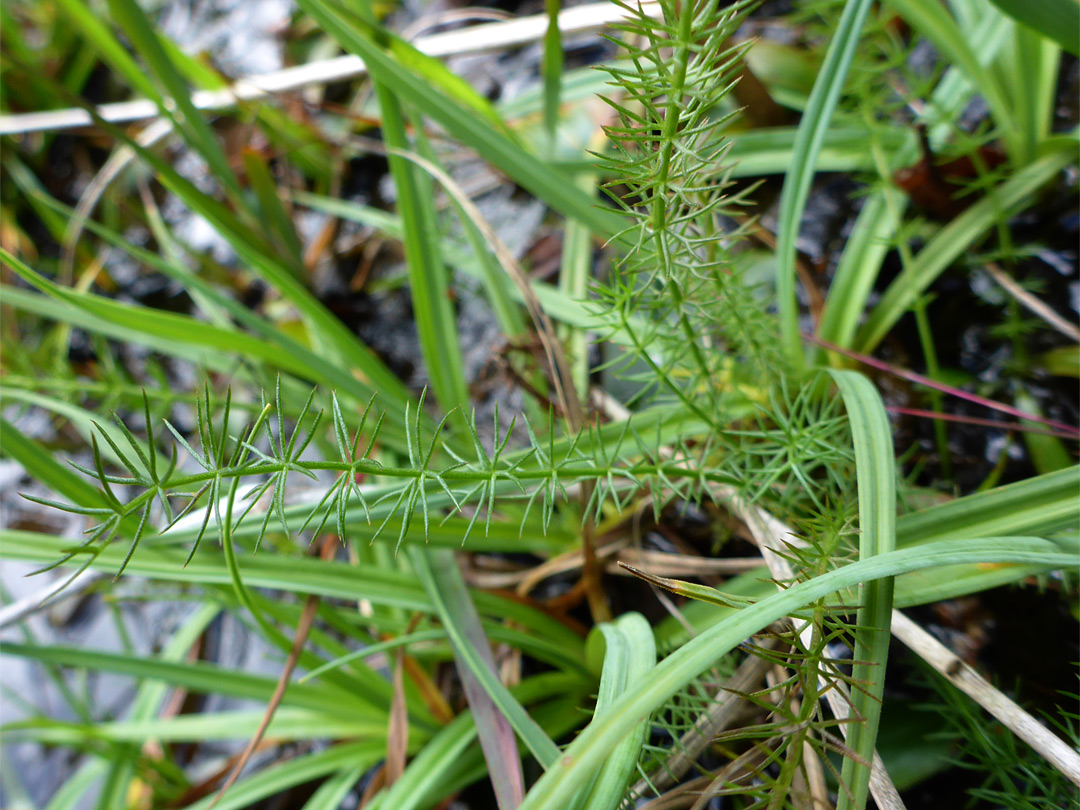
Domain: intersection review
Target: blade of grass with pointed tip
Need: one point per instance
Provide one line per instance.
(875, 464)
(797, 181)
(579, 761)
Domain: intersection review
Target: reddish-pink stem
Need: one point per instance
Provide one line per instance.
(911, 376)
(974, 420)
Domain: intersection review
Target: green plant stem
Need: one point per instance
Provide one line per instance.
(372, 468)
(658, 198)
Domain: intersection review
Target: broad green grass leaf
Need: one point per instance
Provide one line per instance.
(844, 148)
(52, 309)
(289, 723)
(797, 182)
(381, 586)
(875, 464)
(301, 770)
(332, 793)
(1029, 76)
(628, 652)
(72, 793)
(169, 326)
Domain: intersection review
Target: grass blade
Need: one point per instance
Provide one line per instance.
(797, 182)
(435, 321)
(628, 651)
(181, 329)
(439, 573)
(875, 470)
(187, 118)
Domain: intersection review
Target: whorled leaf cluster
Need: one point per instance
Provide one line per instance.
(706, 326)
